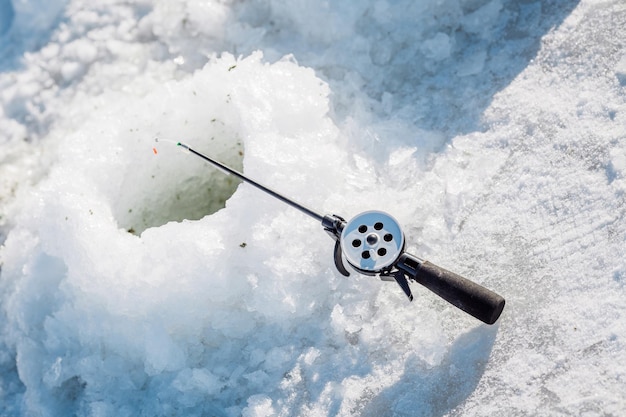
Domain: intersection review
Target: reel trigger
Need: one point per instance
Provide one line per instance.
(400, 278)
(403, 283)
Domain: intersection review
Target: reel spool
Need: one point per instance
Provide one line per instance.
(372, 242)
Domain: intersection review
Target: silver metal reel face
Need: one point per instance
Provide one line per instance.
(372, 241)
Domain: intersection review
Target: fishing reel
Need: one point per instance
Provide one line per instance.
(372, 243)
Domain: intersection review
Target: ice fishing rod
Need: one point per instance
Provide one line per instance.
(373, 244)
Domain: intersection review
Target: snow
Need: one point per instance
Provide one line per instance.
(143, 283)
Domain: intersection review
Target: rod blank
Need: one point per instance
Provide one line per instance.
(250, 181)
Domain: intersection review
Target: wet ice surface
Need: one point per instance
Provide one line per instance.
(493, 131)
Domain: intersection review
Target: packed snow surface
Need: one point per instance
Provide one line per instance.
(136, 280)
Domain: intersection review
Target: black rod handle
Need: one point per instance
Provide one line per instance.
(467, 295)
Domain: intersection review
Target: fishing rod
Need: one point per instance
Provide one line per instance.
(372, 243)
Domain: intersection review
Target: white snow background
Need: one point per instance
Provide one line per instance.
(493, 130)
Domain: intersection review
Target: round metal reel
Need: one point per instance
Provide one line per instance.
(372, 241)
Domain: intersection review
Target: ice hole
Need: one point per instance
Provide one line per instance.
(181, 187)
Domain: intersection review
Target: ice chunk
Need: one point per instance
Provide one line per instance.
(192, 308)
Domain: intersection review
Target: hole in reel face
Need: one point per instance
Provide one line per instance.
(372, 241)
